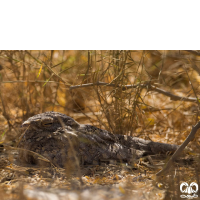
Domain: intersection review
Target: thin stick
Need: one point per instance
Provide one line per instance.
(54, 73)
(180, 149)
(73, 151)
(32, 152)
(150, 87)
(193, 52)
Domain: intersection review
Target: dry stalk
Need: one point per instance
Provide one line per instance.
(150, 88)
(73, 151)
(179, 150)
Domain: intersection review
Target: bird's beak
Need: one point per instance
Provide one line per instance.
(26, 124)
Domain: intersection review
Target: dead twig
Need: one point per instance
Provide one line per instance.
(55, 74)
(5, 114)
(50, 69)
(180, 149)
(193, 52)
(73, 151)
(30, 81)
(7, 147)
(145, 85)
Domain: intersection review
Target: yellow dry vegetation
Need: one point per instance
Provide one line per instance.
(126, 92)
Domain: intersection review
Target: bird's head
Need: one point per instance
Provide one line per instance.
(49, 121)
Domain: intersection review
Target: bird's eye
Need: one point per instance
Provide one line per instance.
(47, 122)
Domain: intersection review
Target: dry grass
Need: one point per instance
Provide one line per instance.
(32, 82)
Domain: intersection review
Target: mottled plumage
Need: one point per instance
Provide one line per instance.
(59, 138)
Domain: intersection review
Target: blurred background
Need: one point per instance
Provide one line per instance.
(114, 90)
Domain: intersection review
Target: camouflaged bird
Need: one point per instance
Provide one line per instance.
(59, 138)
